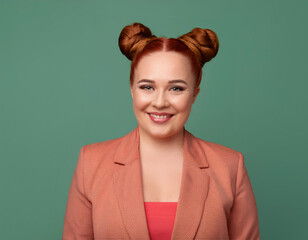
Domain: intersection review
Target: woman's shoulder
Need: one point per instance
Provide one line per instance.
(219, 148)
(214, 147)
(103, 147)
(98, 157)
(219, 154)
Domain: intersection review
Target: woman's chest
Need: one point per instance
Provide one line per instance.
(161, 183)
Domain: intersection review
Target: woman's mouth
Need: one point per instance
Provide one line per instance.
(160, 118)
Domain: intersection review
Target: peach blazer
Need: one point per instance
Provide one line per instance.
(105, 200)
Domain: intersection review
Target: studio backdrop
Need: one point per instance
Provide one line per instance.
(64, 83)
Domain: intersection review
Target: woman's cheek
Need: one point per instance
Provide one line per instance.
(141, 101)
(183, 104)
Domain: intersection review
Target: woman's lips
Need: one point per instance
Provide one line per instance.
(160, 120)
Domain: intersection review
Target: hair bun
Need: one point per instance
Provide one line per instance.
(133, 39)
(202, 42)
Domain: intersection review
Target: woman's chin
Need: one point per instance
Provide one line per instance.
(162, 133)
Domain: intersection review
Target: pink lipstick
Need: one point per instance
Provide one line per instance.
(160, 117)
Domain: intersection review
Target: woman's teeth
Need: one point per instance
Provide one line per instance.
(157, 116)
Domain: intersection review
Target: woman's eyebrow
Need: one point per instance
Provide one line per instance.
(171, 81)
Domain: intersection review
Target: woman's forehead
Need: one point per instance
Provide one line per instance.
(164, 66)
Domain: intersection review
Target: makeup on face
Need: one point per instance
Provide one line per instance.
(163, 93)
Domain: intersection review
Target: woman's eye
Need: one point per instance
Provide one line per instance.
(145, 87)
(178, 89)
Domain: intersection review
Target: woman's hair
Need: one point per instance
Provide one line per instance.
(199, 45)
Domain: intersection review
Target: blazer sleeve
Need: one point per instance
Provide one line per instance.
(243, 222)
(78, 214)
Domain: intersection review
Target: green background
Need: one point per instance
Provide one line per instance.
(65, 83)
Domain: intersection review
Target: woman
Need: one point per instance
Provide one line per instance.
(159, 181)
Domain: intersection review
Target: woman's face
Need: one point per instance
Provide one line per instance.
(163, 84)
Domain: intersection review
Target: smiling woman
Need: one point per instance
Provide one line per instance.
(159, 181)
(170, 93)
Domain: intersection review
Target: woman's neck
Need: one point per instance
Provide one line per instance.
(160, 147)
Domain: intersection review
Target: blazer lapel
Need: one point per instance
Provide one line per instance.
(193, 191)
(128, 187)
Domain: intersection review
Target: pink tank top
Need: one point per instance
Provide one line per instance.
(160, 219)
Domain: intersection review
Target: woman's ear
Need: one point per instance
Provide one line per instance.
(131, 92)
(197, 90)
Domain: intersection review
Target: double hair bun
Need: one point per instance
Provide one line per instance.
(202, 42)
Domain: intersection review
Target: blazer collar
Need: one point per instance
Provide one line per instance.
(127, 180)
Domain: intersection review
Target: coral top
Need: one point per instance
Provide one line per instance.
(160, 219)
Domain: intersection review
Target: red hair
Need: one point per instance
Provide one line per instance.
(167, 45)
(199, 46)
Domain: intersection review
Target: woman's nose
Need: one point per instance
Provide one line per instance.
(160, 100)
